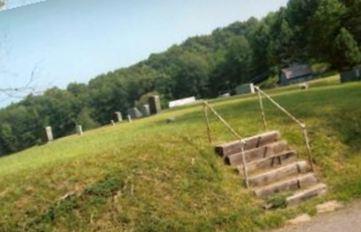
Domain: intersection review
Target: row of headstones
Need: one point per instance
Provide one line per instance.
(153, 107)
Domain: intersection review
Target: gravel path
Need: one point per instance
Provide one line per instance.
(347, 219)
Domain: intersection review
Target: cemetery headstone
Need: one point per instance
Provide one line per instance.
(49, 134)
(245, 88)
(79, 129)
(154, 104)
(118, 116)
(145, 110)
(112, 122)
(135, 113)
(129, 118)
(225, 95)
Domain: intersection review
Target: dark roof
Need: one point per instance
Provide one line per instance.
(296, 71)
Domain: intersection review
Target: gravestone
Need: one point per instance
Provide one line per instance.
(118, 116)
(112, 122)
(245, 89)
(351, 75)
(145, 110)
(49, 134)
(129, 118)
(135, 113)
(79, 129)
(154, 104)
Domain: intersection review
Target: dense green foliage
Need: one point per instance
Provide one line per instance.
(310, 31)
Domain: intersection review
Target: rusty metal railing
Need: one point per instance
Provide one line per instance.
(297, 121)
(207, 107)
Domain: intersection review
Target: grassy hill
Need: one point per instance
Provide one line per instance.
(150, 175)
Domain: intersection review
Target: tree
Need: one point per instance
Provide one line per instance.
(326, 24)
(347, 52)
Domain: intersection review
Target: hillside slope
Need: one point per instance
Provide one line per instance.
(157, 176)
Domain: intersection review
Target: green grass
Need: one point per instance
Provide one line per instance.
(150, 175)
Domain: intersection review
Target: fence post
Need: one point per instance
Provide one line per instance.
(245, 169)
(263, 115)
(301, 124)
(307, 142)
(205, 110)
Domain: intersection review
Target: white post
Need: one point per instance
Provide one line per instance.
(49, 134)
(79, 129)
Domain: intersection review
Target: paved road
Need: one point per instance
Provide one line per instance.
(347, 219)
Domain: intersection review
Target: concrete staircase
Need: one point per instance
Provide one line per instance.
(273, 168)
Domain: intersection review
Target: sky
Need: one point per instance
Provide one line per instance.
(10, 4)
(56, 42)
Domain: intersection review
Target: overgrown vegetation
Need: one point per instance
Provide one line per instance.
(310, 31)
(150, 175)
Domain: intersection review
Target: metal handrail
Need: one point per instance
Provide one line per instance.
(301, 124)
(206, 106)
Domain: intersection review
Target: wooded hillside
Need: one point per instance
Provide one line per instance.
(306, 31)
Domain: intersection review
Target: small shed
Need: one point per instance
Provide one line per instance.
(296, 74)
(351, 75)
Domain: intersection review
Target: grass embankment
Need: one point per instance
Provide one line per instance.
(152, 176)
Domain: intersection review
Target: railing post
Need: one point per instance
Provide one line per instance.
(301, 124)
(205, 110)
(262, 109)
(307, 142)
(244, 163)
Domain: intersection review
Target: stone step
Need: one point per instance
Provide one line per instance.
(300, 196)
(230, 148)
(274, 161)
(294, 183)
(257, 153)
(279, 173)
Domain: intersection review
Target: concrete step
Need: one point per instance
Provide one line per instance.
(262, 139)
(274, 161)
(230, 148)
(300, 196)
(294, 183)
(257, 153)
(279, 173)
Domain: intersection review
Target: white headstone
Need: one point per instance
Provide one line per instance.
(79, 129)
(129, 118)
(49, 134)
(118, 116)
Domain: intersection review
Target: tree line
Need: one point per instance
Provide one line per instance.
(305, 31)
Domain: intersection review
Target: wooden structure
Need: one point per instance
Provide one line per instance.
(266, 162)
(295, 74)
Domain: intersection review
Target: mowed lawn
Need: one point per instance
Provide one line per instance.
(150, 175)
